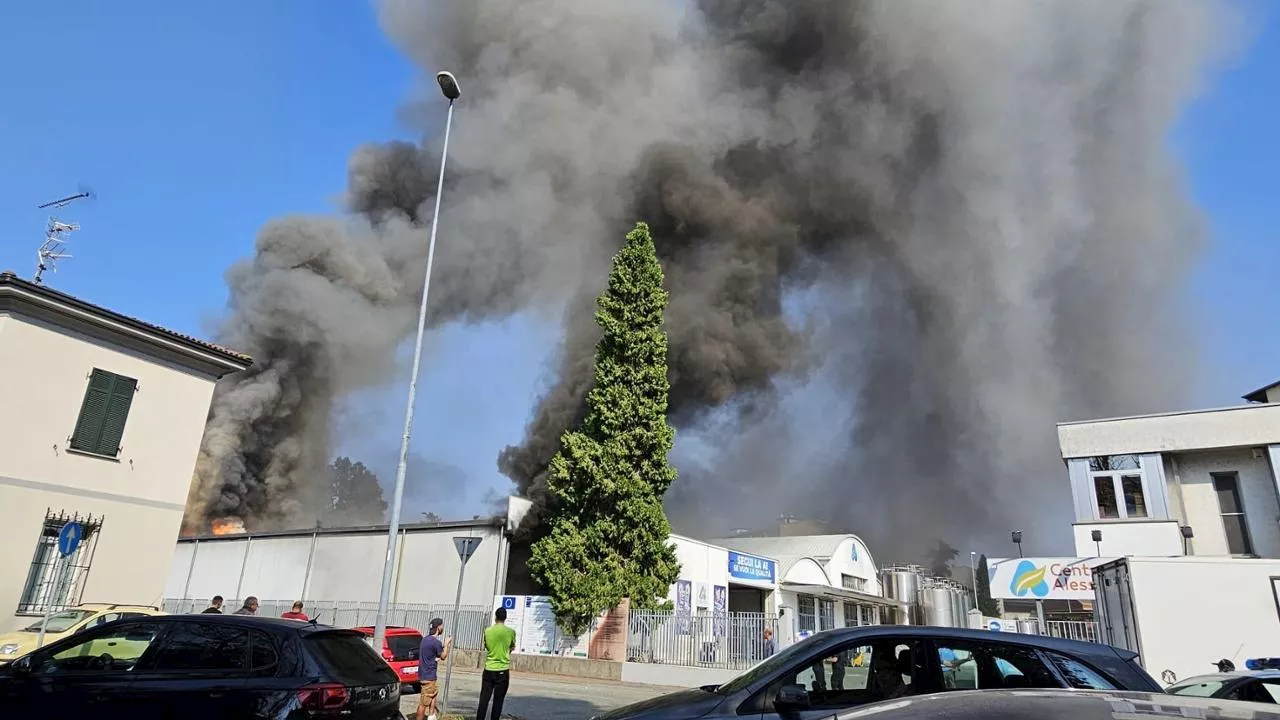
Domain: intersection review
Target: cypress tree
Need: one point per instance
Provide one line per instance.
(609, 537)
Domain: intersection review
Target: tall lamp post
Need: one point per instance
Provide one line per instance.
(449, 87)
(1016, 536)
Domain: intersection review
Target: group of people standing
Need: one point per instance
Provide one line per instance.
(250, 607)
(498, 640)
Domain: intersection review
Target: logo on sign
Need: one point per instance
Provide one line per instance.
(1029, 578)
(995, 626)
(509, 602)
(853, 550)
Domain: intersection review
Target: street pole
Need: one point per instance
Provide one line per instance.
(973, 573)
(48, 607)
(451, 92)
(453, 622)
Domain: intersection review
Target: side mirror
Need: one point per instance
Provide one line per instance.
(22, 666)
(792, 697)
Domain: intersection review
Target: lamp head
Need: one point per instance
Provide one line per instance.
(448, 85)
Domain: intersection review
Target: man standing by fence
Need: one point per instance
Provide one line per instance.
(499, 641)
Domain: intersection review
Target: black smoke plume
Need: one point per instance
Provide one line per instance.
(976, 198)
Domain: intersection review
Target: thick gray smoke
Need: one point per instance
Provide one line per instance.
(976, 196)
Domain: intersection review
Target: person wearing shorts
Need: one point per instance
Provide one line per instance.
(430, 653)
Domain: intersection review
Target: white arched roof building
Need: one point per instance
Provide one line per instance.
(828, 580)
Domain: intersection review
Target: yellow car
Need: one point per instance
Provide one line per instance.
(68, 622)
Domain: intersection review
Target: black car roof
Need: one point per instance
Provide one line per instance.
(276, 624)
(1076, 647)
(1059, 705)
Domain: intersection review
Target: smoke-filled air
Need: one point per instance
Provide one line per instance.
(955, 223)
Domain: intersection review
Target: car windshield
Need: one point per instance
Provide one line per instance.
(1197, 687)
(767, 666)
(60, 622)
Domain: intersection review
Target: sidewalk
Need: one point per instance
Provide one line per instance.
(541, 697)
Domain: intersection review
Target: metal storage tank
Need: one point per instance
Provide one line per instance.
(1029, 627)
(938, 608)
(957, 605)
(966, 604)
(902, 583)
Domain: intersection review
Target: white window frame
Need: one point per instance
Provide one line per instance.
(1117, 486)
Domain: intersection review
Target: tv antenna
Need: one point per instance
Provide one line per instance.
(56, 235)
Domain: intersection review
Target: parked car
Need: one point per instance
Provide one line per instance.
(1058, 705)
(203, 667)
(1259, 686)
(400, 649)
(817, 677)
(67, 622)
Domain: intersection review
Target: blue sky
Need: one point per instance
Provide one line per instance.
(197, 122)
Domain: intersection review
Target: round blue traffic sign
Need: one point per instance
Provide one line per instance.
(69, 538)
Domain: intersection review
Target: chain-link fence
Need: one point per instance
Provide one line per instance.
(726, 640)
(466, 629)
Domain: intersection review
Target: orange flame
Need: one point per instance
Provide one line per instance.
(227, 526)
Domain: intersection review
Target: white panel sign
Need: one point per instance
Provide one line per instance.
(1058, 578)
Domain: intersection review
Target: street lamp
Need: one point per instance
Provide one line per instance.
(1097, 541)
(1187, 534)
(449, 88)
(1016, 536)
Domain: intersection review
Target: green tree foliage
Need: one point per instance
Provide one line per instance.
(355, 496)
(986, 603)
(609, 538)
(940, 558)
(429, 517)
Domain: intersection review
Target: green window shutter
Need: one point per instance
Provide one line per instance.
(117, 413)
(103, 413)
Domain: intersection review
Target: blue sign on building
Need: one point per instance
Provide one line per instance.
(750, 567)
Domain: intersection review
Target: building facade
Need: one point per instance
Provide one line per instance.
(105, 418)
(824, 581)
(1202, 482)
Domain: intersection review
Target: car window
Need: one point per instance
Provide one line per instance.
(969, 665)
(204, 646)
(1272, 689)
(60, 622)
(116, 649)
(102, 619)
(263, 659)
(127, 615)
(348, 657)
(1079, 675)
(1197, 687)
(854, 674)
(1252, 691)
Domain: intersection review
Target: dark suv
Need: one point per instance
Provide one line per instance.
(203, 667)
(835, 670)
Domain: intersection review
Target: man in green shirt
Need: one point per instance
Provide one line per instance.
(499, 641)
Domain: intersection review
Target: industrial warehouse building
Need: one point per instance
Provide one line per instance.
(796, 585)
(105, 417)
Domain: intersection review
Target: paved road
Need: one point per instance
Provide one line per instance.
(542, 697)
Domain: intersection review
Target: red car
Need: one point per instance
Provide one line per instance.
(400, 650)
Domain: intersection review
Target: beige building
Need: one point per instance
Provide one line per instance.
(1199, 482)
(104, 418)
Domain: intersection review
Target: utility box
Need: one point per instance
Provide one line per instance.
(1183, 614)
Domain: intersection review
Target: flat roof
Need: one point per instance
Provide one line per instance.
(1255, 425)
(487, 522)
(64, 310)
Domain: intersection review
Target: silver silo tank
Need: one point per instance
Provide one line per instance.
(966, 603)
(938, 610)
(902, 584)
(1029, 627)
(957, 605)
